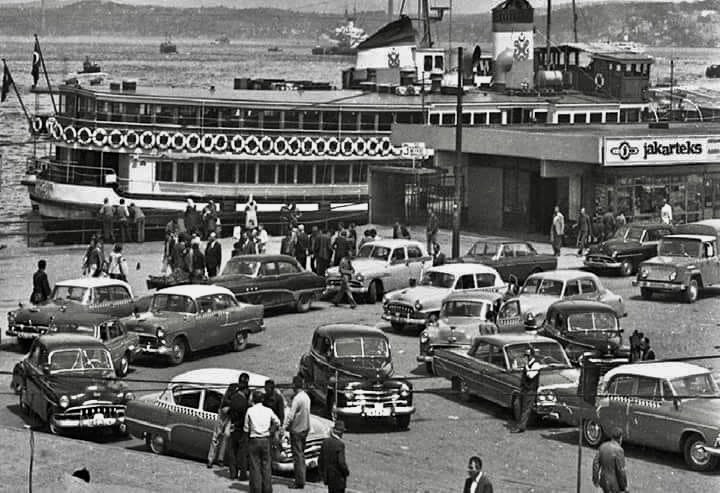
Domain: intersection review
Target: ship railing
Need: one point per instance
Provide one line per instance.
(69, 172)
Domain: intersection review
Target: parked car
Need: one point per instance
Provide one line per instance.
(511, 258)
(382, 266)
(543, 289)
(421, 304)
(182, 417)
(191, 317)
(349, 369)
(271, 281)
(624, 254)
(494, 371)
(687, 262)
(585, 328)
(67, 381)
(669, 405)
(106, 298)
(122, 344)
(461, 314)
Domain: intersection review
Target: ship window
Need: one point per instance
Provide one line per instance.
(359, 173)
(226, 172)
(439, 62)
(246, 172)
(427, 63)
(448, 119)
(595, 117)
(186, 172)
(164, 171)
(250, 118)
(611, 117)
(580, 117)
(367, 121)
(271, 119)
(292, 119)
(495, 117)
(206, 172)
(385, 121)
(266, 173)
(286, 173)
(466, 118)
(304, 173)
(349, 120)
(434, 118)
(342, 173)
(187, 115)
(311, 120)
(210, 118)
(479, 118)
(564, 118)
(330, 120)
(323, 173)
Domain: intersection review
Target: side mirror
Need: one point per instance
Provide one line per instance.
(46, 369)
(677, 403)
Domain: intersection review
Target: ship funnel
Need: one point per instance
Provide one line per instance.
(503, 65)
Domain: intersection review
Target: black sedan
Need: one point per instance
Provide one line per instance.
(510, 258)
(624, 254)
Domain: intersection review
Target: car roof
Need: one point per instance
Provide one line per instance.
(261, 257)
(217, 377)
(92, 282)
(69, 340)
(580, 306)
(393, 243)
(194, 290)
(658, 369)
(507, 339)
(564, 274)
(348, 330)
(499, 239)
(692, 236)
(642, 225)
(463, 268)
(473, 295)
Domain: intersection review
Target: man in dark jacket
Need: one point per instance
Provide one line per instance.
(192, 218)
(609, 224)
(323, 253)
(432, 228)
(314, 235)
(213, 255)
(41, 286)
(331, 464)
(238, 444)
(197, 263)
(274, 400)
(477, 481)
(584, 227)
(302, 245)
(341, 246)
(609, 465)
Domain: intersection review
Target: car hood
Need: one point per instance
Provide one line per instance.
(705, 411)
(679, 261)
(616, 245)
(482, 259)
(429, 296)
(365, 368)
(40, 314)
(82, 386)
(464, 329)
(364, 266)
(537, 304)
(148, 322)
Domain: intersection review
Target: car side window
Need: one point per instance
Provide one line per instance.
(414, 252)
(484, 280)
(465, 282)
(667, 391)
(268, 269)
(205, 304)
(119, 293)
(588, 286)
(104, 332)
(521, 250)
(103, 294)
(572, 288)
(397, 254)
(287, 268)
(224, 301)
(507, 251)
(187, 396)
(496, 357)
(116, 330)
(622, 385)
(648, 388)
(212, 401)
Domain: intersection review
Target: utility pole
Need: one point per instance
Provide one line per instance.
(459, 179)
(672, 76)
(574, 21)
(390, 10)
(547, 34)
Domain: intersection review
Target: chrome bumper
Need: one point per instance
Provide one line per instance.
(404, 319)
(99, 421)
(375, 412)
(602, 265)
(659, 285)
(20, 332)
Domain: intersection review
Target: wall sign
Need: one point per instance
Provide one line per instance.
(640, 151)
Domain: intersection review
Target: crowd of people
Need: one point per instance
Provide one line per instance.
(117, 221)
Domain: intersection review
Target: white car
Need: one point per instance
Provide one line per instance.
(421, 304)
(383, 266)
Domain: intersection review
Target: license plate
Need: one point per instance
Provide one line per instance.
(375, 411)
(311, 462)
(98, 419)
(25, 335)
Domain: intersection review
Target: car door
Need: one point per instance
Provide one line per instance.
(209, 323)
(288, 279)
(613, 407)
(187, 427)
(711, 263)
(32, 394)
(510, 317)
(648, 413)
(209, 407)
(476, 379)
(589, 290)
(524, 260)
(99, 299)
(267, 286)
(498, 378)
(122, 302)
(504, 261)
(321, 357)
(398, 270)
(416, 263)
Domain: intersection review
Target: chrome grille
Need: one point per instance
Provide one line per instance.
(659, 272)
(399, 308)
(147, 340)
(88, 412)
(312, 447)
(40, 329)
(384, 397)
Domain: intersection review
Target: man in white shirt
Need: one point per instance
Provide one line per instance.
(477, 481)
(260, 423)
(262, 238)
(666, 212)
(297, 422)
(529, 383)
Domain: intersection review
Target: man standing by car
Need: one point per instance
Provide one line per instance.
(331, 464)
(557, 231)
(431, 230)
(138, 218)
(238, 451)
(529, 382)
(583, 230)
(274, 400)
(221, 431)
(41, 286)
(609, 465)
(213, 255)
(297, 422)
(346, 271)
(259, 424)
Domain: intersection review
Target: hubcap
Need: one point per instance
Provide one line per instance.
(698, 454)
(157, 443)
(592, 431)
(693, 291)
(177, 350)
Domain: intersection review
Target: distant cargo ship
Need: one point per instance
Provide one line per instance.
(344, 40)
(167, 46)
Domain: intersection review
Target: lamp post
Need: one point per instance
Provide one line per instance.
(457, 203)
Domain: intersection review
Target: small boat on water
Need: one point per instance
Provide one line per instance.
(343, 41)
(712, 72)
(91, 73)
(222, 40)
(167, 46)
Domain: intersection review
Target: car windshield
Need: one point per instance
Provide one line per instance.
(361, 347)
(241, 267)
(537, 285)
(546, 353)
(483, 248)
(80, 359)
(68, 293)
(438, 279)
(695, 386)
(463, 309)
(374, 252)
(679, 247)
(172, 303)
(592, 321)
(634, 233)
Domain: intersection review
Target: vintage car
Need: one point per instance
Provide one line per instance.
(667, 405)
(624, 254)
(192, 317)
(182, 417)
(122, 344)
(494, 371)
(271, 281)
(511, 258)
(585, 328)
(101, 297)
(382, 266)
(67, 381)
(349, 369)
(420, 304)
(687, 262)
(461, 314)
(544, 288)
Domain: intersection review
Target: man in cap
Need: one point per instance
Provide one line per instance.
(331, 464)
(529, 383)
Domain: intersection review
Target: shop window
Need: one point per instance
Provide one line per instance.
(439, 62)
(480, 118)
(246, 172)
(427, 63)
(540, 116)
(164, 171)
(466, 118)
(304, 173)
(434, 118)
(286, 173)
(226, 172)
(206, 172)
(595, 117)
(448, 119)
(495, 118)
(564, 118)
(342, 173)
(611, 117)
(266, 173)
(385, 121)
(186, 172)
(359, 173)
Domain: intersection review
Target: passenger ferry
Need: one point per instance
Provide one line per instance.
(298, 142)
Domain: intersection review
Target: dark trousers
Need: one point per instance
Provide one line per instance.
(107, 229)
(322, 265)
(219, 440)
(557, 244)
(302, 260)
(527, 401)
(238, 452)
(313, 263)
(140, 223)
(297, 443)
(344, 292)
(124, 232)
(260, 465)
(582, 241)
(212, 270)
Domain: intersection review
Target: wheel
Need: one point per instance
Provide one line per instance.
(397, 326)
(177, 351)
(592, 433)
(123, 366)
(240, 341)
(304, 303)
(691, 293)
(465, 395)
(696, 457)
(429, 368)
(403, 422)
(646, 293)
(627, 268)
(374, 292)
(156, 443)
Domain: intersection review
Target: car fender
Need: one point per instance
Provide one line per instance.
(692, 431)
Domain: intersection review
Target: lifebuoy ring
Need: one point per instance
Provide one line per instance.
(57, 131)
(147, 139)
(50, 124)
(599, 81)
(115, 139)
(70, 133)
(84, 136)
(280, 146)
(293, 144)
(221, 142)
(131, 139)
(251, 145)
(385, 146)
(237, 143)
(333, 146)
(320, 146)
(163, 140)
(360, 146)
(178, 141)
(266, 145)
(37, 124)
(99, 137)
(308, 146)
(346, 147)
(193, 142)
(208, 142)
(373, 146)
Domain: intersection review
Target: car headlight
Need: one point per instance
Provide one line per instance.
(404, 390)
(386, 300)
(424, 337)
(672, 276)
(547, 396)
(644, 272)
(64, 401)
(129, 396)
(359, 277)
(160, 333)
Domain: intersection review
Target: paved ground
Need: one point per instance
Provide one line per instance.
(445, 431)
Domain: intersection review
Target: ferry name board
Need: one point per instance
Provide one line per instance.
(639, 151)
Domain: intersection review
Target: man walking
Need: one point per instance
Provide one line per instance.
(41, 286)
(123, 215)
(557, 230)
(666, 212)
(237, 451)
(138, 218)
(260, 424)
(529, 382)
(331, 464)
(477, 481)
(221, 431)
(431, 230)
(346, 271)
(583, 230)
(323, 253)
(297, 422)
(609, 465)
(302, 245)
(213, 255)
(106, 216)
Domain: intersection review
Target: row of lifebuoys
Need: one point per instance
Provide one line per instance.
(237, 144)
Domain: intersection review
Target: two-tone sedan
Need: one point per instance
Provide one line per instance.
(416, 306)
(382, 266)
(511, 258)
(68, 382)
(192, 317)
(624, 254)
(182, 417)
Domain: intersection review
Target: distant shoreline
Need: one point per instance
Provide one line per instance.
(134, 39)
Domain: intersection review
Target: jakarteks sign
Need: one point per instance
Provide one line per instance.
(663, 150)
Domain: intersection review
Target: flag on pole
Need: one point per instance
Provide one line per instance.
(6, 83)
(36, 63)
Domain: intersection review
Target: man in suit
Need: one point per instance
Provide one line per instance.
(238, 443)
(213, 255)
(332, 466)
(477, 481)
(41, 286)
(609, 465)
(323, 252)
(302, 245)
